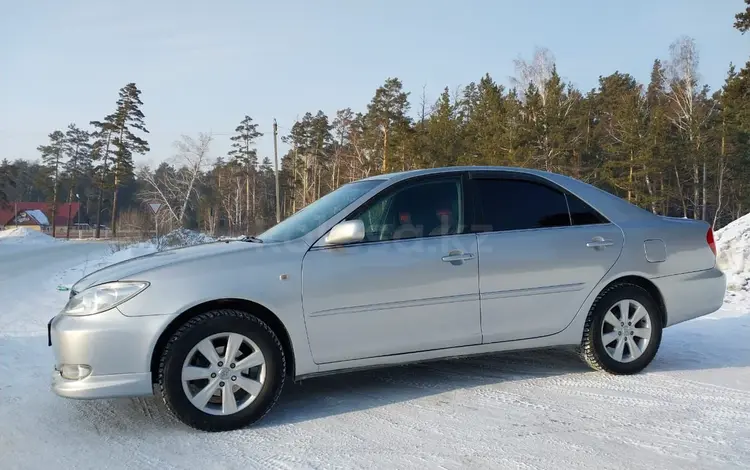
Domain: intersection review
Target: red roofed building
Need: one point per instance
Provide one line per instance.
(65, 211)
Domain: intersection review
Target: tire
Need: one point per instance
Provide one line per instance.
(267, 379)
(599, 328)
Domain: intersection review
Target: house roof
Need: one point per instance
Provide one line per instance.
(38, 215)
(8, 211)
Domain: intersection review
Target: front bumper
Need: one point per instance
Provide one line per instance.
(103, 386)
(116, 348)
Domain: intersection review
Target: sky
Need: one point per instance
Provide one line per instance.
(202, 66)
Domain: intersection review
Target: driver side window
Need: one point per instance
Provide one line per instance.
(422, 209)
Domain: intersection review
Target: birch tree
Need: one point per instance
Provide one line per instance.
(176, 186)
(690, 110)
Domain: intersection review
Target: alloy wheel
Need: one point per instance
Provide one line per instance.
(223, 373)
(626, 330)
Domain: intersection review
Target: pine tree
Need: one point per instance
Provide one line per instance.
(311, 142)
(52, 158)
(6, 180)
(127, 118)
(742, 19)
(656, 139)
(623, 124)
(78, 154)
(245, 158)
(443, 132)
(101, 156)
(550, 132)
(267, 193)
(388, 123)
(735, 136)
(483, 110)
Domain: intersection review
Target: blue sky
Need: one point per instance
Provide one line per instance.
(203, 65)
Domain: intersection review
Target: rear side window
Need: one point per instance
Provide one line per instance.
(517, 205)
(582, 214)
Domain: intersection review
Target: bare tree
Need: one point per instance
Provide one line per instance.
(537, 72)
(176, 187)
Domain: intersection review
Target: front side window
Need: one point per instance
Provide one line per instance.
(422, 209)
(312, 216)
(517, 205)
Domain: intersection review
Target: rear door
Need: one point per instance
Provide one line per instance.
(541, 252)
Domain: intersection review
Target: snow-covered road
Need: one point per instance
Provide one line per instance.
(17, 260)
(544, 409)
(25, 300)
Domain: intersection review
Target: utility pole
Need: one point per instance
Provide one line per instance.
(276, 168)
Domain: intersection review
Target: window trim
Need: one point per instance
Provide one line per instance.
(466, 205)
(528, 178)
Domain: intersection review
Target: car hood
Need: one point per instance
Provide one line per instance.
(139, 266)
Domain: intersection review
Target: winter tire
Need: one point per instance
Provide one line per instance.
(222, 370)
(623, 330)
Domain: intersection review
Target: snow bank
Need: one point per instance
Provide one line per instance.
(733, 247)
(129, 251)
(119, 252)
(175, 239)
(25, 236)
(184, 237)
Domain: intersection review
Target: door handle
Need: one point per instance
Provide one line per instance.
(453, 257)
(599, 242)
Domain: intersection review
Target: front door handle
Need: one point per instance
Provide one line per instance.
(453, 257)
(599, 242)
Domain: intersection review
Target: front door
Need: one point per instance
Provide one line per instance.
(411, 285)
(541, 253)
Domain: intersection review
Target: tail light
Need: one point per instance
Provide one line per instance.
(710, 240)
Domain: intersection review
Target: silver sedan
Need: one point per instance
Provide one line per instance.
(393, 269)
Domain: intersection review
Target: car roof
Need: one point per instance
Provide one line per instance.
(399, 175)
(613, 207)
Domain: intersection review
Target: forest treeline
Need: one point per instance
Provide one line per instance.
(671, 145)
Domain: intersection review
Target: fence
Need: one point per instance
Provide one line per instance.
(104, 234)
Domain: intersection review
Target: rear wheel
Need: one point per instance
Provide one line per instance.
(623, 330)
(222, 370)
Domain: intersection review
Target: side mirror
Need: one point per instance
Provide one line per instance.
(349, 231)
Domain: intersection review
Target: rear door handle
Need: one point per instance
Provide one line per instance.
(599, 242)
(453, 257)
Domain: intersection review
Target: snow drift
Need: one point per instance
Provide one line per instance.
(25, 236)
(184, 237)
(123, 252)
(733, 254)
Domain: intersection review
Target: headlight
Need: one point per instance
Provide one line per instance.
(103, 297)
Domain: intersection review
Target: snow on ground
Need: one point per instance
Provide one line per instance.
(184, 237)
(25, 236)
(542, 409)
(733, 247)
(124, 251)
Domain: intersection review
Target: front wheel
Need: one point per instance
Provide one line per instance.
(222, 370)
(623, 330)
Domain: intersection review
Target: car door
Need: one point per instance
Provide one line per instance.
(410, 285)
(538, 259)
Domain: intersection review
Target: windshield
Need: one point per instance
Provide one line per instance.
(310, 217)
